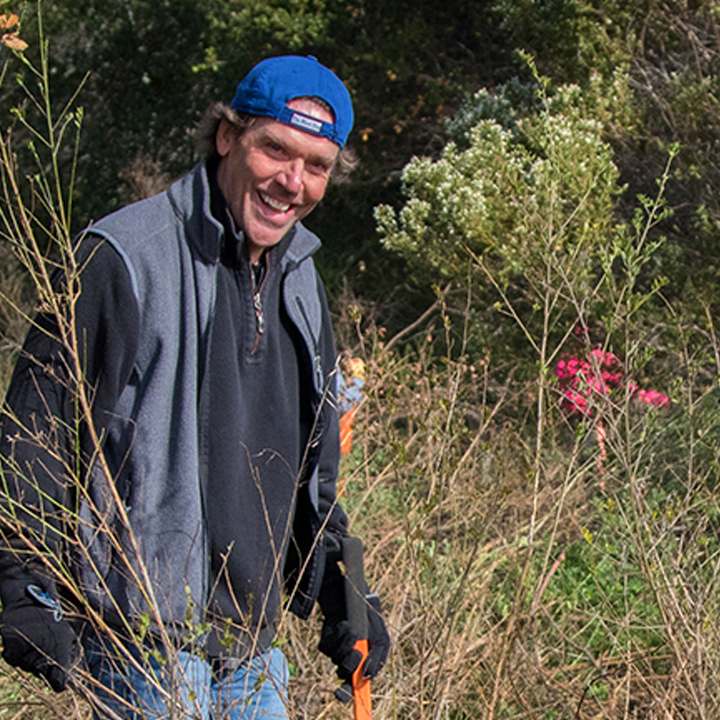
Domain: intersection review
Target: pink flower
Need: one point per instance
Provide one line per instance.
(595, 383)
(601, 372)
(653, 397)
(611, 379)
(561, 370)
(574, 402)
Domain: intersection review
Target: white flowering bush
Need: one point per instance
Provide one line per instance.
(535, 197)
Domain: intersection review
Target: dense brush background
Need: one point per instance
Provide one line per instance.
(527, 167)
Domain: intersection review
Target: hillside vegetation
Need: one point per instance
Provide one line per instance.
(527, 263)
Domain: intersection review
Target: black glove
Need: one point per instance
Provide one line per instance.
(337, 641)
(338, 638)
(37, 639)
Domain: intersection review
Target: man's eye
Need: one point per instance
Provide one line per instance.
(318, 168)
(276, 148)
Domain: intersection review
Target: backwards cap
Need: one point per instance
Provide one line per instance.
(273, 83)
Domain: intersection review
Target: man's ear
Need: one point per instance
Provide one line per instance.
(224, 137)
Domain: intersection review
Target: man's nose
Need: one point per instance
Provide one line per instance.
(293, 175)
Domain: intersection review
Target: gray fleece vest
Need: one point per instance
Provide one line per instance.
(155, 447)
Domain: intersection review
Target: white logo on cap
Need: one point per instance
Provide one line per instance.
(306, 123)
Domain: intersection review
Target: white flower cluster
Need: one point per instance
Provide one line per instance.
(545, 186)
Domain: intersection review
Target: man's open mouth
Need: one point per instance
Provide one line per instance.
(274, 204)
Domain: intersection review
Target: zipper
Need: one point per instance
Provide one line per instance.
(203, 442)
(258, 306)
(316, 432)
(316, 359)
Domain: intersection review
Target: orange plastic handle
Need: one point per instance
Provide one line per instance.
(361, 685)
(346, 431)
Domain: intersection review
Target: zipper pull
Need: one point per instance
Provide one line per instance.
(319, 376)
(257, 301)
(259, 317)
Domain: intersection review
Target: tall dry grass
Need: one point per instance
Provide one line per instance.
(517, 580)
(610, 612)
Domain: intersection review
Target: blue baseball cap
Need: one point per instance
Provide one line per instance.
(273, 83)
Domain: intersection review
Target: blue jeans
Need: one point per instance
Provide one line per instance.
(136, 688)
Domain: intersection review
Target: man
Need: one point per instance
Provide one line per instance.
(186, 481)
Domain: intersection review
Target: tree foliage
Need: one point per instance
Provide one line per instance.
(547, 167)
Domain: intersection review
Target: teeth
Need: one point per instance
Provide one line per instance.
(274, 204)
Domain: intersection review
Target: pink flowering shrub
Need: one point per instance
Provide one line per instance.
(596, 374)
(653, 397)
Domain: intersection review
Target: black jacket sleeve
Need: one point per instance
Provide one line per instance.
(44, 443)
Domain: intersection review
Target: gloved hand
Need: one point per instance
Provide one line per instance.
(37, 639)
(337, 641)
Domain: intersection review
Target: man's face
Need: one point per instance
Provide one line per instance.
(273, 175)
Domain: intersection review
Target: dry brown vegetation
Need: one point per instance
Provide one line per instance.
(609, 613)
(518, 580)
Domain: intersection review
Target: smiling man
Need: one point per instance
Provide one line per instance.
(273, 175)
(209, 353)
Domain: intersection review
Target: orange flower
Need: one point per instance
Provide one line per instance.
(13, 41)
(8, 21)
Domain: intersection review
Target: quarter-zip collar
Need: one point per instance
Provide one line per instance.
(208, 236)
